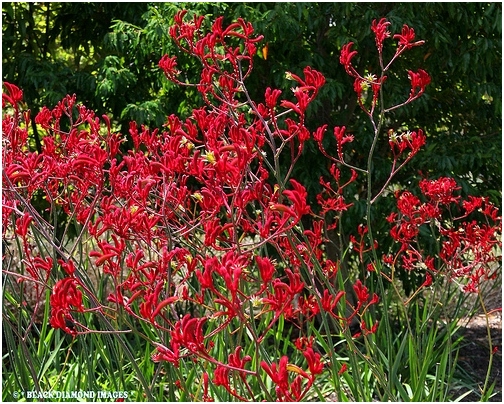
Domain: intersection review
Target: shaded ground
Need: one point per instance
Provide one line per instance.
(475, 353)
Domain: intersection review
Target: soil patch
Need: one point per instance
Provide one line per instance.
(474, 354)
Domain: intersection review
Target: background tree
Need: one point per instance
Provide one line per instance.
(53, 49)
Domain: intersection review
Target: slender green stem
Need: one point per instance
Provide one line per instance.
(489, 336)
